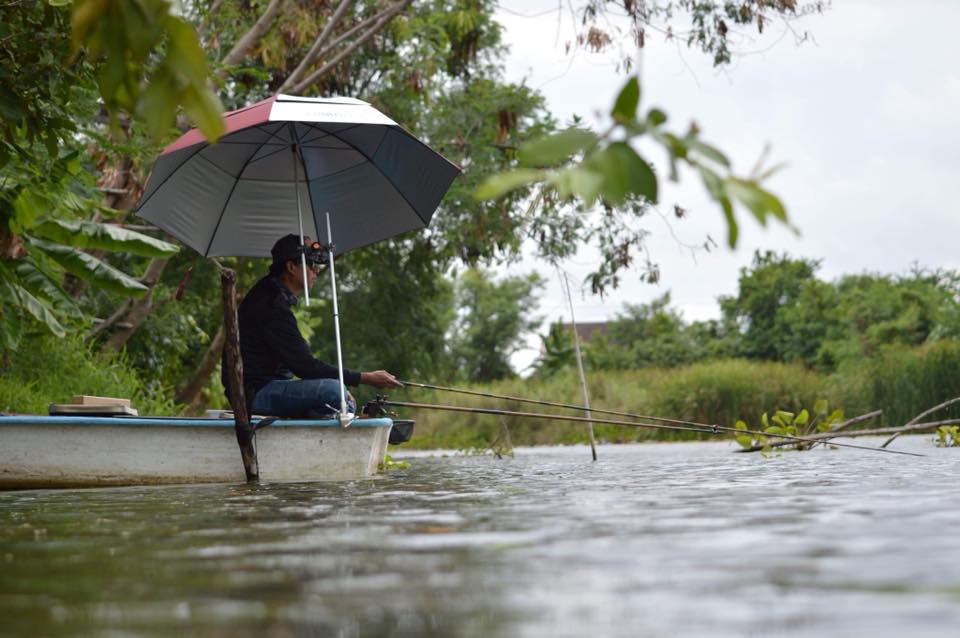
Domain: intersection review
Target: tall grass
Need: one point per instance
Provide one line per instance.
(902, 381)
(714, 392)
(48, 370)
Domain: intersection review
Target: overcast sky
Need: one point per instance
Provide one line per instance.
(864, 115)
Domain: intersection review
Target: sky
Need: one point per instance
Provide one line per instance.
(863, 114)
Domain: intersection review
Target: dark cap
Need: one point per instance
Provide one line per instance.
(288, 248)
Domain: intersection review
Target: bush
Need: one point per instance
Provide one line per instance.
(902, 381)
(49, 370)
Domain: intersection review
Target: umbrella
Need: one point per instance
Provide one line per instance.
(301, 165)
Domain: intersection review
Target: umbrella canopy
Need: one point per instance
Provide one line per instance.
(236, 197)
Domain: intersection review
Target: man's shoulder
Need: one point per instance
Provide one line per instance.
(265, 299)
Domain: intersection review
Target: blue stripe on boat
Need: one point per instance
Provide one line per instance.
(179, 421)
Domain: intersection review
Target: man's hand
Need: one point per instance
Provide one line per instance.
(380, 379)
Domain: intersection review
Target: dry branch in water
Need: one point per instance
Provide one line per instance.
(935, 408)
(825, 437)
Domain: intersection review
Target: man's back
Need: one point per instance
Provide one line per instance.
(271, 345)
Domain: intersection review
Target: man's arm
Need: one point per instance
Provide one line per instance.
(380, 379)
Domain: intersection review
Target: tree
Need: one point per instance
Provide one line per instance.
(767, 292)
(492, 322)
(604, 169)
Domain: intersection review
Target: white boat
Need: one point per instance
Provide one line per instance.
(93, 451)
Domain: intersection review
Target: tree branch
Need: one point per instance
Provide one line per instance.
(904, 429)
(318, 44)
(190, 392)
(381, 21)
(250, 38)
(921, 415)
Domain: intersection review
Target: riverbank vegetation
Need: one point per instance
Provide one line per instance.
(78, 317)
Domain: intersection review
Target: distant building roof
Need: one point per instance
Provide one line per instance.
(586, 329)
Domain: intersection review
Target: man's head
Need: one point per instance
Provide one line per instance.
(287, 263)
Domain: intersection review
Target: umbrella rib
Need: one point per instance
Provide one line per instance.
(385, 176)
(226, 202)
(270, 154)
(200, 147)
(325, 132)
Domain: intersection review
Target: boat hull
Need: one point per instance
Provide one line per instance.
(43, 452)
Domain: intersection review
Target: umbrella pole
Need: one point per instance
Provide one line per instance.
(303, 257)
(345, 417)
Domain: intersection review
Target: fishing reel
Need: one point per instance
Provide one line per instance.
(402, 430)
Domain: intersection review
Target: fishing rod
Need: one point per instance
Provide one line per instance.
(569, 406)
(708, 429)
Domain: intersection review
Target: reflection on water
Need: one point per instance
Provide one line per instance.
(654, 540)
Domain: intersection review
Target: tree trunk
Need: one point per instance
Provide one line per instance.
(139, 309)
(189, 394)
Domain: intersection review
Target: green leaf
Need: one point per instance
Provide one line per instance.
(625, 108)
(92, 235)
(744, 440)
(36, 276)
(716, 187)
(579, 181)
(555, 149)
(764, 421)
(158, 103)
(740, 425)
(498, 185)
(835, 416)
(624, 173)
(184, 53)
(820, 407)
(11, 330)
(656, 117)
(760, 202)
(787, 417)
(17, 296)
(90, 269)
(802, 418)
(205, 110)
(708, 151)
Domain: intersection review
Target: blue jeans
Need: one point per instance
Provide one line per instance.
(300, 398)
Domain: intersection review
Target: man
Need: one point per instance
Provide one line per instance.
(273, 350)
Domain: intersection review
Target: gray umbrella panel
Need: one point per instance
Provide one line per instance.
(236, 197)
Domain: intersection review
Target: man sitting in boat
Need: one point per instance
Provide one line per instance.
(273, 350)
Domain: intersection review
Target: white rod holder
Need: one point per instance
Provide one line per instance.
(345, 417)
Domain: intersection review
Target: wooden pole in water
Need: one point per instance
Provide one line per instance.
(583, 378)
(234, 363)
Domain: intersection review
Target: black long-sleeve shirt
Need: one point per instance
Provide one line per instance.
(271, 345)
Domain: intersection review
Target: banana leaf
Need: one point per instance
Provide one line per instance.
(90, 269)
(84, 234)
(42, 281)
(16, 296)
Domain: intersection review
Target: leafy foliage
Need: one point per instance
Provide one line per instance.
(604, 169)
(149, 63)
(948, 436)
(713, 27)
(492, 323)
(790, 424)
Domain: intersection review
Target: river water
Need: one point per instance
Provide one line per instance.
(682, 539)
